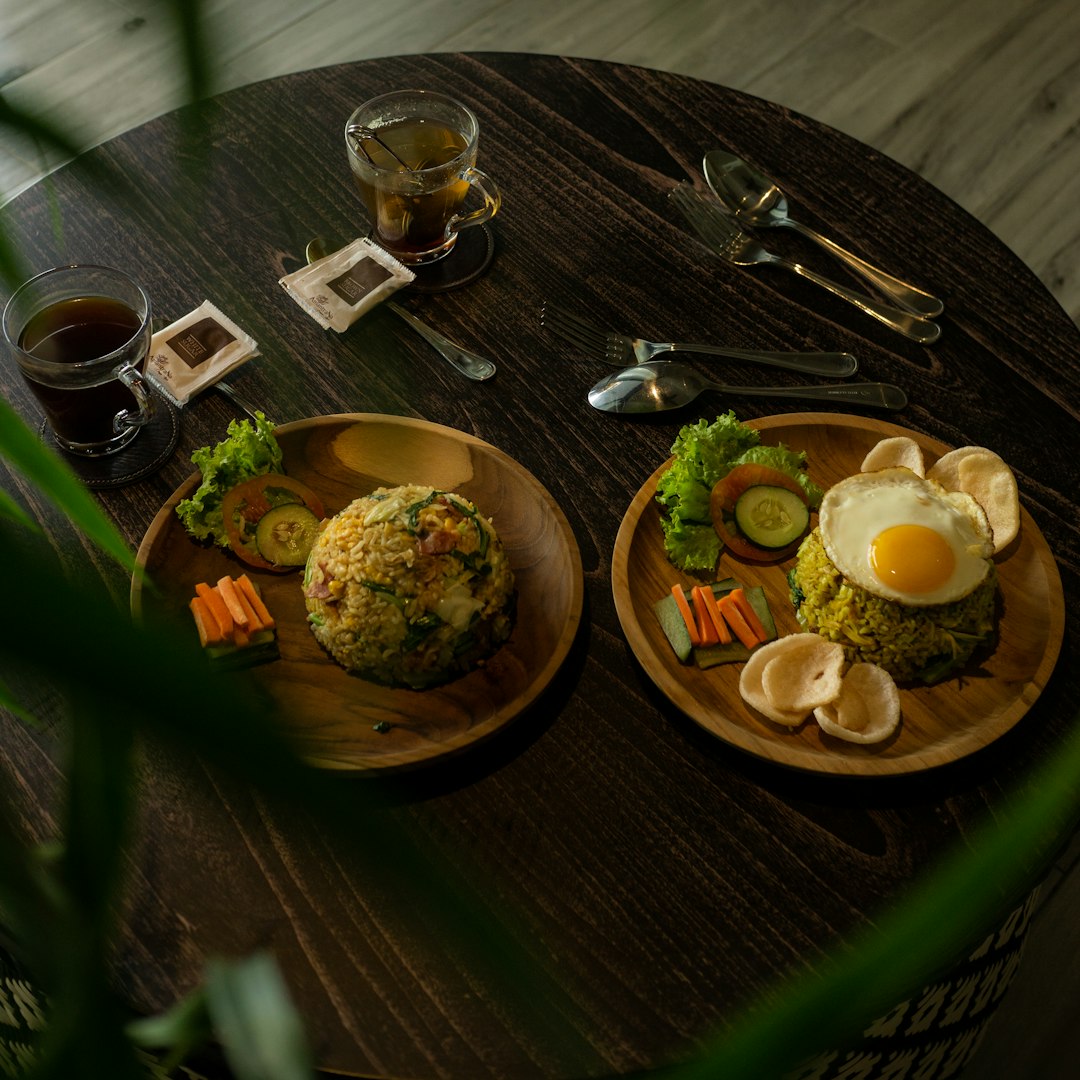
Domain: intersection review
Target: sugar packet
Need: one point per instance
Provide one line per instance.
(338, 288)
(195, 351)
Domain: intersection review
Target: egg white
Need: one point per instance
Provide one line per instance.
(857, 510)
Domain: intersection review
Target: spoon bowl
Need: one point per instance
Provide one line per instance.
(753, 199)
(666, 384)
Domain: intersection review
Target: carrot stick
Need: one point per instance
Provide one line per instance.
(232, 602)
(733, 617)
(706, 627)
(262, 612)
(686, 613)
(212, 598)
(209, 630)
(746, 609)
(722, 632)
(253, 624)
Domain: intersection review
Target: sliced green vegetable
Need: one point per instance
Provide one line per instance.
(771, 517)
(285, 534)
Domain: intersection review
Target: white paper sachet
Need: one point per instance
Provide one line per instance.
(338, 288)
(195, 351)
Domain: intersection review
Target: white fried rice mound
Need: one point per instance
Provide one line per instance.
(409, 586)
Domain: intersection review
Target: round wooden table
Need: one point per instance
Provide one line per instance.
(656, 875)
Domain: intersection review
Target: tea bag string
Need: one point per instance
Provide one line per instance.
(358, 133)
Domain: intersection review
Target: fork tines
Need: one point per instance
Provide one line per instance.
(572, 328)
(704, 215)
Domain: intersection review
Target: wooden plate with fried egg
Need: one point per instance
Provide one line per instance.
(939, 723)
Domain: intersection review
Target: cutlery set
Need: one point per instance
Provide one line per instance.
(742, 197)
(722, 233)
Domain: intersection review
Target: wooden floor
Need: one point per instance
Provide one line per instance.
(980, 97)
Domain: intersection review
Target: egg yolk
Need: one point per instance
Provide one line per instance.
(912, 558)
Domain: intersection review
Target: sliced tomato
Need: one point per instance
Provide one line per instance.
(244, 505)
(725, 494)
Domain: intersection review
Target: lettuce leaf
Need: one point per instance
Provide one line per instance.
(792, 462)
(703, 453)
(249, 450)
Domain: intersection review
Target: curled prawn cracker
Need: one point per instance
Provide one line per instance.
(754, 694)
(985, 476)
(805, 671)
(946, 470)
(898, 451)
(867, 709)
(992, 483)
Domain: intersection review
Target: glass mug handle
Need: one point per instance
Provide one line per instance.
(133, 379)
(492, 201)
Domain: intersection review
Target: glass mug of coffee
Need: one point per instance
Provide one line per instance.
(413, 155)
(80, 335)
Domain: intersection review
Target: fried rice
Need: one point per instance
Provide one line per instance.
(409, 586)
(922, 644)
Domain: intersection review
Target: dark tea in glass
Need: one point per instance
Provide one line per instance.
(413, 156)
(407, 218)
(80, 335)
(72, 332)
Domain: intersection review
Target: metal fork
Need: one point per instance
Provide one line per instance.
(624, 351)
(723, 235)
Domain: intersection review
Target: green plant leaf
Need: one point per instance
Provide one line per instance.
(255, 1021)
(196, 57)
(29, 123)
(179, 1030)
(970, 891)
(13, 706)
(98, 811)
(9, 508)
(46, 470)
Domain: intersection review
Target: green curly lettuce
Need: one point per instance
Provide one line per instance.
(249, 450)
(703, 453)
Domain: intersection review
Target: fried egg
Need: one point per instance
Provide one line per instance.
(904, 538)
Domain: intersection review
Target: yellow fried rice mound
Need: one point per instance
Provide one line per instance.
(409, 586)
(924, 644)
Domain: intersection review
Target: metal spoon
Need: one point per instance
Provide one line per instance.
(667, 384)
(468, 363)
(755, 200)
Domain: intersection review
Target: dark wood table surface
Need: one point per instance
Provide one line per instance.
(657, 876)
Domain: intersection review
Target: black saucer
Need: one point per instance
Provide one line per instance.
(471, 256)
(146, 453)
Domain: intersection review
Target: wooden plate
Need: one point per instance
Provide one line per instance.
(940, 723)
(340, 458)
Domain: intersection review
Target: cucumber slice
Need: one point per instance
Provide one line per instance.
(771, 517)
(285, 533)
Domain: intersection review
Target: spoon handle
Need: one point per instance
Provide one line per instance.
(906, 295)
(468, 363)
(837, 364)
(873, 394)
(911, 326)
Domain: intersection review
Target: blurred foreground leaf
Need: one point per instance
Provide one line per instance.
(54, 478)
(967, 893)
(255, 1021)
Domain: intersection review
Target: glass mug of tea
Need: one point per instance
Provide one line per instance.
(413, 155)
(80, 335)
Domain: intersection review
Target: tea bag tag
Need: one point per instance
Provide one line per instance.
(195, 351)
(339, 288)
